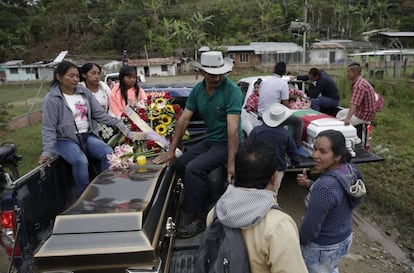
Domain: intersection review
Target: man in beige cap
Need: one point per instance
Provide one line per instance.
(219, 101)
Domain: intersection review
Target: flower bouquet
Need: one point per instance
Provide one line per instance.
(157, 116)
(298, 99)
(124, 156)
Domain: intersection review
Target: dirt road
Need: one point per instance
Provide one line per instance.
(372, 251)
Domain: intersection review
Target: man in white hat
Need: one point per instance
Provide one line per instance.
(219, 101)
(274, 132)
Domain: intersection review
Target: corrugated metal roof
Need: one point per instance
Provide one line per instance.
(327, 45)
(266, 47)
(398, 34)
(153, 61)
(261, 47)
(240, 48)
(385, 52)
(13, 63)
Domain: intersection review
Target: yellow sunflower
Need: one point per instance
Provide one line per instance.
(160, 101)
(155, 111)
(153, 118)
(161, 129)
(170, 108)
(165, 119)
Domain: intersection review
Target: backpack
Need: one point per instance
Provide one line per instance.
(222, 250)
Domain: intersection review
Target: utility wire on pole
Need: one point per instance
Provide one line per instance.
(305, 15)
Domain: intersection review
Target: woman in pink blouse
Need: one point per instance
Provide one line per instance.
(253, 100)
(127, 91)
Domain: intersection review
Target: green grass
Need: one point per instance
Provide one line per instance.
(390, 198)
(29, 144)
(23, 98)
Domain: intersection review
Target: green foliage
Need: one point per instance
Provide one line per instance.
(48, 27)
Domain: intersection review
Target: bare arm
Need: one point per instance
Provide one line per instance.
(351, 112)
(285, 103)
(232, 143)
(182, 125)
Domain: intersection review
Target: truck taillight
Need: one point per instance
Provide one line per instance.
(8, 232)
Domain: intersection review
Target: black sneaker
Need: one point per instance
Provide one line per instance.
(197, 225)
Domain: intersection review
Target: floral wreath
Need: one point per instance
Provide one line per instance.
(161, 114)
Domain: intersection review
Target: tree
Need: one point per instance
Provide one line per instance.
(269, 14)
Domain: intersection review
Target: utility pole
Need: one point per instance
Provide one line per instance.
(305, 15)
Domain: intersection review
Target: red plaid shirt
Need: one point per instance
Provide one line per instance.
(363, 96)
(252, 102)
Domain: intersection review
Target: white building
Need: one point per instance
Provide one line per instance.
(157, 66)
(16, 70)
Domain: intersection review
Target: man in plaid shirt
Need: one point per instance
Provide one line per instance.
(362, 106)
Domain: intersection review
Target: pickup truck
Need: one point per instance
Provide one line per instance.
(125, 218)
(124, 221)
(358, 138)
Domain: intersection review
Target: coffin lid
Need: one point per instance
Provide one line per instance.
(104, 227)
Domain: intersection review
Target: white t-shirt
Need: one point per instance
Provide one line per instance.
(272, 90)
(102, 96)
(80, 111)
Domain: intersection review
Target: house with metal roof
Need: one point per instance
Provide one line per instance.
(170, 66)
(391, 39)
(261, 54)
(336, 51)
(18, 71)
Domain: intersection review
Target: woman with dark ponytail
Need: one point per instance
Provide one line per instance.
(326, 230)
(127, 91)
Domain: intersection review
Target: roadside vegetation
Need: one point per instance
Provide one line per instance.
(390, 199)
(103, 28)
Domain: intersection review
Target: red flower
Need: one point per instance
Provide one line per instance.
(143, 114)
(134, 128)
(177, 108)
(151, 144)
(167, 95)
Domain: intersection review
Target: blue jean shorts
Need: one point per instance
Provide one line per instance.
(325, 258)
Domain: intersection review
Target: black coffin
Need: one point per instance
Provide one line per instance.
(117, 223)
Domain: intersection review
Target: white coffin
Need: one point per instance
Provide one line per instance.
(319, 125)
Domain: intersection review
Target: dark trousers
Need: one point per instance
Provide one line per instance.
(196, 164)
(297, 124)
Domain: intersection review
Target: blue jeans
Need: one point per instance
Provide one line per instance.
(324, 102)
(325, 258)
(73, 154)
(197, 163)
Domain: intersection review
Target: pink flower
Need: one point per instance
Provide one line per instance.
(123, 157)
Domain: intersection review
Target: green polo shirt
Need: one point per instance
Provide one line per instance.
(226, 99)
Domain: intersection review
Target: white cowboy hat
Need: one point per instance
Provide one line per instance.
(276, 114)
(213, 63)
